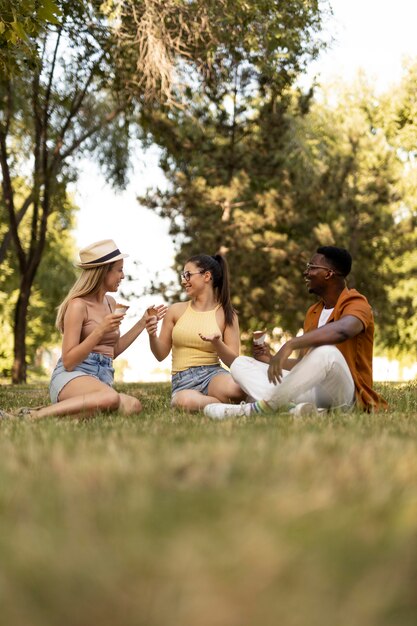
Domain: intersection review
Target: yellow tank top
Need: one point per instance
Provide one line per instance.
(188, 349)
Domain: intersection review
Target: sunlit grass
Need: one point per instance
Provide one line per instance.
(171, 519)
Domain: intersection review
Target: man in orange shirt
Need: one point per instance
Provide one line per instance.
(334, 366)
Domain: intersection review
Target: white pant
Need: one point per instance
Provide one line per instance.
(322, 377)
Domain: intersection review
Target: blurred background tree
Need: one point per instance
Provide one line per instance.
(400, 124)
(225, 150)
(21, 22)
(257, 167)
(53, 279)
(52, 111)
(97, 70)
(269, 177)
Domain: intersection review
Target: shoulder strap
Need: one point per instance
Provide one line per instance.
(108, 302)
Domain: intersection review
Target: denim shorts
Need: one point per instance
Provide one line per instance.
(95, 364)
(197, 378)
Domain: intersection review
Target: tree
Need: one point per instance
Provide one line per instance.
(20, 22)
(295, 173)
(400, 125)
(52, 282)
(166, 45)
(359, 179)
(222, 146)
(78, 98)
(61, 107)
(265, 173)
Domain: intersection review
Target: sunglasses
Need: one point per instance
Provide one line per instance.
(187, 275)
(310, 266)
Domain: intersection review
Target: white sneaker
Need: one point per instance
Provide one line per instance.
(304, 409)
(219, 411)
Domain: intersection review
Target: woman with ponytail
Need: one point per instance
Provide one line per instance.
(198, 332)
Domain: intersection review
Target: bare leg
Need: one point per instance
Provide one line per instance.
(222, 388)
(129, 404)
(191, 400)
(225, 389)
(81, 397)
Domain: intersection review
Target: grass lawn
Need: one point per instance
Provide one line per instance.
(169, 519)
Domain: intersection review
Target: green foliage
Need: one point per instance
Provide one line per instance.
(54, 112)
(21, 22)
(249, 521)
(55, 276)
(357, 193)
(165, 44)
(400, 125)
(223, 153)
(267, 179)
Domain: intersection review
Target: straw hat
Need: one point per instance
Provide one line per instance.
(100, 253)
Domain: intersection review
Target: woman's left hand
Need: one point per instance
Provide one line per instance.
(158, 311)
(214, 338)
(161, 311)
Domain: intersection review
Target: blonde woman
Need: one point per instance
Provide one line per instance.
(190, 328)
(81, 383)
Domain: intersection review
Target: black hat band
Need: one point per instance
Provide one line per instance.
(104, 258)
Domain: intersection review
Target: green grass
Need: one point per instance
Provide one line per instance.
(170, 519)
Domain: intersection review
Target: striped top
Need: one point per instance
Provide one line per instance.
(188, 349)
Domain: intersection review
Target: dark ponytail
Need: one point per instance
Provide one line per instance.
(217, 266)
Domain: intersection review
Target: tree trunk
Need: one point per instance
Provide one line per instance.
(20, 324)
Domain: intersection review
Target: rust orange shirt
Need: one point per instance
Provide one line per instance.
(358, 350)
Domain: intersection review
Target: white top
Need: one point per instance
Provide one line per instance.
(324, 316)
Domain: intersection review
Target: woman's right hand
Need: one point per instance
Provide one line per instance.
(73, 350)
(110, 323)
(151, 325)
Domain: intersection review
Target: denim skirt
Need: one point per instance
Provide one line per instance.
(96, 365)
(197, 378)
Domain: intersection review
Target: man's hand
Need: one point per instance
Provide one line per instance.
(261, 352)
(278, 363)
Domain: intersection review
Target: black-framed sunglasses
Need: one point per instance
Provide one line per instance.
(187, 275)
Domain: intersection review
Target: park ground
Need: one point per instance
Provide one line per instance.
(169, 519)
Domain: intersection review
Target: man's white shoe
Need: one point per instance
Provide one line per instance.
(218, 411)
(304, 409)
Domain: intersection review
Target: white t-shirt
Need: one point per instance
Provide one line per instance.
(324, 316)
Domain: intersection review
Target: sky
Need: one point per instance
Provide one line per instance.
(138, 232)
(373, 35)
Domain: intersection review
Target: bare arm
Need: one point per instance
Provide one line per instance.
(161, 346)
(128, 338)
(327, 335)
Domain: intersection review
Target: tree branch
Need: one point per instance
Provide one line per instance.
(9, 200)
(4, 246)
(76, 104)
(77, 143)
